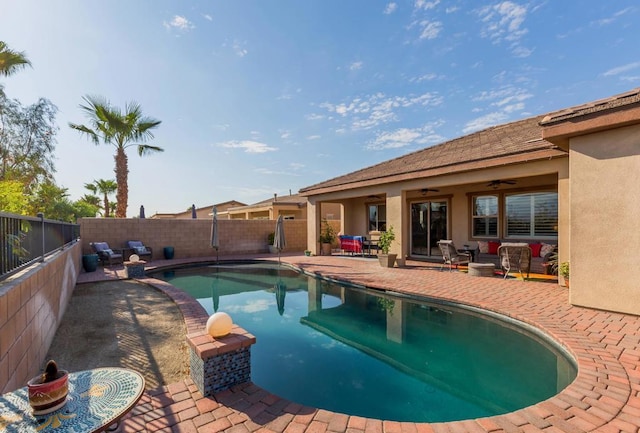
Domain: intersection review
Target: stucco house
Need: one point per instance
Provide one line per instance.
(570, 178)
(292, 206)
(201, 212)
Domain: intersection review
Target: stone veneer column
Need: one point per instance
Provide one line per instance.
(218, 364)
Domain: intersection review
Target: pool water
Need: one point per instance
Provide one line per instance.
(374, 355)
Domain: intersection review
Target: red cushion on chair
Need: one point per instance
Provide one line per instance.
(535, 249)
(493, 247)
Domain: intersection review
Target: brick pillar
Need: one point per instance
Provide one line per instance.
(218, 364)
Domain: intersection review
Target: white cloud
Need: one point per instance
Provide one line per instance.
(207, 17)
(425, 77)
(296, 166)
(452, 9)
(284, 134)
(179, 22)
(314, 116)
(430, 29)
(621, 69)
(270, 172)
(314, 137)
(504, 22)
(239, 49)
(251, 306)
(248, 146)
(378, 109)
(610, 20)
(355, 66)
(484, 122)
(426, 5)
(406, 136)
(222, 126)
(391, 8)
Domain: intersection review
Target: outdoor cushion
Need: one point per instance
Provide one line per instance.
(101, 246)
(535, 249)
(140, 250)
(483, 246)
(493, 247)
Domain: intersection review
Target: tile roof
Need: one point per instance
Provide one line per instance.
(595, 107)
(291, 199)
(476, 150)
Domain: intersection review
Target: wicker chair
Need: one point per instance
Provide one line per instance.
(514, 257)
(137, 247)
(106, 254)
(451, 256)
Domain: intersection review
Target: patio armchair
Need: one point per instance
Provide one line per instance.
(515, 256)
(137, 247)
(452, 256)
(106, 254)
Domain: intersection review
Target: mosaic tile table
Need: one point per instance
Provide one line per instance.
(97, 399)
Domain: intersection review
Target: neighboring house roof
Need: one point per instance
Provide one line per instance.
(513, 142)
(221, 207)
(291, 200)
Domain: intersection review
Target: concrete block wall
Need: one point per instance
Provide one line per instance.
(32, 304)
(191, 237)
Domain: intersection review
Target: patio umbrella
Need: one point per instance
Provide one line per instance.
(193, 211)
(215, 295)
(281, 292)
(279, 241)
(142, 211)
(215, 242)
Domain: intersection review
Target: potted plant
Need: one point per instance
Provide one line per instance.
(307, 253)
(563, 270)
(270, 237)
(327, 237)
(384, 243)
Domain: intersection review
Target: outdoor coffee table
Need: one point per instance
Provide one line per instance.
(97, 399)
(481, 269)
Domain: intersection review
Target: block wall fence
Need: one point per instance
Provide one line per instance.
(191, 237)
(32, 304)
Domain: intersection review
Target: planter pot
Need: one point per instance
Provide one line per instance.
(387, 260)
(273, 250)
(168, 252)
(326, 249)
(90, 262)
(307, 253)
(49, 396)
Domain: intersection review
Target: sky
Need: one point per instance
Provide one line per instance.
(262, 97)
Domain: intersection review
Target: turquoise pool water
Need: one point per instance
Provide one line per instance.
(366, 353)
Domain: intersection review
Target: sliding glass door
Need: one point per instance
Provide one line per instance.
(428, 226)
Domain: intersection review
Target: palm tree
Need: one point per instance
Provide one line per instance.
(11, 61)
(121, 130)
(104, 187)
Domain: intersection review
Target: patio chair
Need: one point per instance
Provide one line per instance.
(451, 256)
(137, 247)
(515, 256)
(106, 254)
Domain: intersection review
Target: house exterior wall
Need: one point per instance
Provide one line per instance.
(32, 304)
(604, 215)
(190, 237)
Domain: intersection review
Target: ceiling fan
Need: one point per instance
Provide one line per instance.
(424, 191)
(496, 183)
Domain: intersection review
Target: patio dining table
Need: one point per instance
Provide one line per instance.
(97, 399)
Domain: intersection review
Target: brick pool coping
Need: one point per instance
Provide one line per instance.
(605, 396)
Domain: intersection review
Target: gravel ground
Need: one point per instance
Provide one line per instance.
(122, 324)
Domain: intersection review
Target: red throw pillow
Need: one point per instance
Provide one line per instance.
(535, 249)
(493, 247)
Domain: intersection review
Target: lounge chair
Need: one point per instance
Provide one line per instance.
(137, 247)
(515, 256)
(451, 256)
(106, 254)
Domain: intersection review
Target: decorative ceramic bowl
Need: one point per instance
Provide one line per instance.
(49, 396)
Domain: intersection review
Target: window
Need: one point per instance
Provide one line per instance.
(485, 216)
(532, 215)
(377, 217)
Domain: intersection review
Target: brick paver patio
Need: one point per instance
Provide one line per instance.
(605, 397)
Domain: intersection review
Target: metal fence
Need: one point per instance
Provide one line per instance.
(26, 240)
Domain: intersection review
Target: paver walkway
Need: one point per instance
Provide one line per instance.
(605, 397)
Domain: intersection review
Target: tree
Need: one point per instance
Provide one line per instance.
(121, 130)
(27, 141)
(104, 187)
(11, 61)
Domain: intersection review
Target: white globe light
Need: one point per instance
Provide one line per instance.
(134, 258)
(219, 324)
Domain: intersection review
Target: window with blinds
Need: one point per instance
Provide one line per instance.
(485, 216)
(532, 215)
(377, 217)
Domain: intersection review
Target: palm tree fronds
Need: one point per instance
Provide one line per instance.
(146, 149)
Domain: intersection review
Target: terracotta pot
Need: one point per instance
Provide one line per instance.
(49, 396)
(326, 249)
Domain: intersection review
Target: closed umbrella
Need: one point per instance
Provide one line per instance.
(281, 292)
(193, 211)
(142, 211)
(279, 241)
(215, 243)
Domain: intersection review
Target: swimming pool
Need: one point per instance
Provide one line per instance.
(367, 353)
